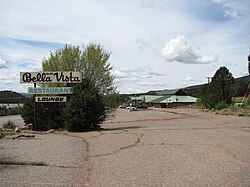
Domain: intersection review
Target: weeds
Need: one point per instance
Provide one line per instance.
(2, 135)
(9, 125)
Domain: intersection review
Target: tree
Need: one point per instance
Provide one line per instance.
(219, 90)
(28, 111)
(92, 61)
(249, 64)
(241, 89)
(66, 59)
(85, 110)
(95, 67)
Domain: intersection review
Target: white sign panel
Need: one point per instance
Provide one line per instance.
(51, 77)
(51, 99)
(50, 90)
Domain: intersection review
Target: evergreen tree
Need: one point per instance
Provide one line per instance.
(249, 64)
(219, 90)
(85, 110)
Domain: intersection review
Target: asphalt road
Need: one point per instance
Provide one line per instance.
(144, 148)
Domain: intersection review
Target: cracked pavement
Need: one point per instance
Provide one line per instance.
(171, 147)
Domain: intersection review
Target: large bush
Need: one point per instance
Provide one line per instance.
(85, 110)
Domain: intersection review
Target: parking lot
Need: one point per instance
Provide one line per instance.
(171, 147)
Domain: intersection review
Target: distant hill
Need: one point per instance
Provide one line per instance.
(194, 91)
(244, 79)
(240, 86)
(12, 97)
(26, 95)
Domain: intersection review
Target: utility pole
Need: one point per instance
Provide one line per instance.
(209, 79)
(249, 64)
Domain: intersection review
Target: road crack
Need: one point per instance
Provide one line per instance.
(136, 143)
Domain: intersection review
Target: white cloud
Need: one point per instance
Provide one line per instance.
(142, 44)
(142, 72)
(151, 3)
(232, 14)
(234, 9)
(178, 49)
(118, 74)
(2, 64)
(132, 90)
(152, 83)
(188, 78)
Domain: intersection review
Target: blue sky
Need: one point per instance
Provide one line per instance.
(154, 44)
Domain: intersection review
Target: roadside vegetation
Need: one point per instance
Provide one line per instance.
(219, 95)
(8, 129)
(240, 106)
(91, 100)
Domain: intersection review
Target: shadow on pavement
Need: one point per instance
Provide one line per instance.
(120, 128)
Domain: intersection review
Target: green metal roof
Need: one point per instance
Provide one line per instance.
(174, 99)
(149, 98)
(136, 98)
(161, 99)
(164, 99)
(186, 99)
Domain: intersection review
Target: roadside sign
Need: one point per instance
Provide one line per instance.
(51, 99)
(51, 77)
(50, 90)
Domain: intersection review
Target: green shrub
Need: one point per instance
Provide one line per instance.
(220, 105)
(14, 111)
(48, 115)
(85, 110)
(3, 110)
(1, 135)
(9, 125)
(198, 102)
(248, 101)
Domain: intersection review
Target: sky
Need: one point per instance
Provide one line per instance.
(154, 44)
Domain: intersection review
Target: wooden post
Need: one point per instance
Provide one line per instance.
(35, 109)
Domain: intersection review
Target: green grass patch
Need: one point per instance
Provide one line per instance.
(9, 125)
(2, 135)
(23, 163)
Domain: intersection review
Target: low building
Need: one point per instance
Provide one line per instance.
(165, 99)
(173, 101)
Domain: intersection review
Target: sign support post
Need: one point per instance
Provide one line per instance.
(35, 109)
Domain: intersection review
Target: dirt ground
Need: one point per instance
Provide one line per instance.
(172, 147)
